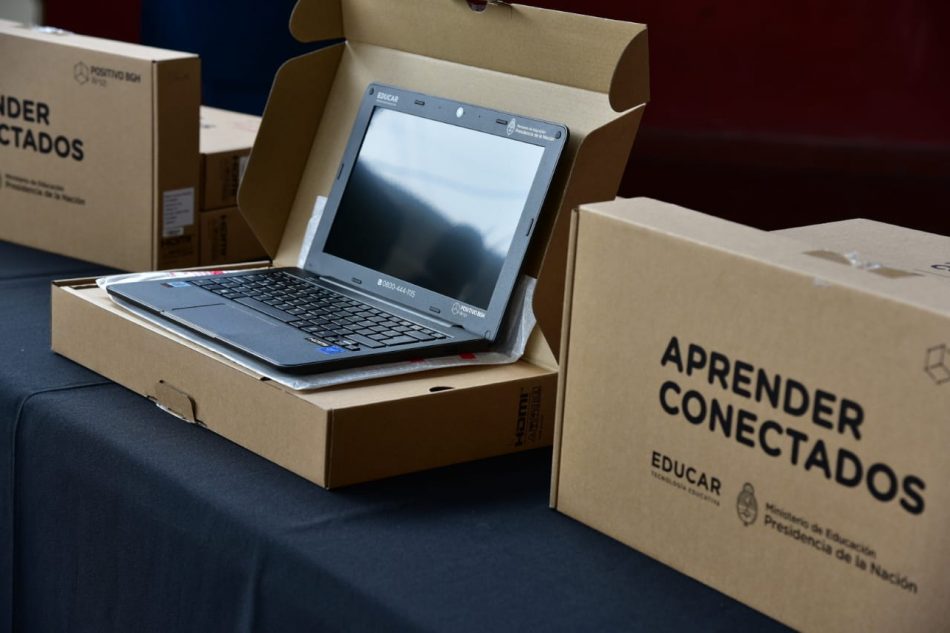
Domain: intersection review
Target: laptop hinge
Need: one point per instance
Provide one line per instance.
(399, 306)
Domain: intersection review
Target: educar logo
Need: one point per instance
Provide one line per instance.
(81, 73)
(746, 505)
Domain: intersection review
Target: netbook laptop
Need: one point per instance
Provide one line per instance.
(416, 254)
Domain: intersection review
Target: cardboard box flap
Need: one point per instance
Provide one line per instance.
(599, 181)
(284, 143)
(605, 56)
(827, 267)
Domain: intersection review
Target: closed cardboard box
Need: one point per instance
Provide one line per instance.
(226, 141)
(586, 72)
(226, 238)
(766, 414)
(98, 148)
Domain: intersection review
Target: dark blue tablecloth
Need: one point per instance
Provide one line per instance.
(21, 263)
(27, 368)
(118, 517)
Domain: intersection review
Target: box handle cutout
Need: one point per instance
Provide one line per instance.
(175, 401)
(440, 388)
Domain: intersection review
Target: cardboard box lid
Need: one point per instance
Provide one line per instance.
(588, 73)
(808, 251)
(66, 38)
(562, 48)
(227, 131)
(870, 243)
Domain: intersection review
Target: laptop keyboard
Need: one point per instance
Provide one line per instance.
(329, 318)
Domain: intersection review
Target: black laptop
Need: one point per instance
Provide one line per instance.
(416, 254)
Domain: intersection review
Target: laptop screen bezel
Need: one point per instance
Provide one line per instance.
(481, 321)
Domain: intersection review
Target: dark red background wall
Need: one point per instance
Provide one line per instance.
(845, 69)
(770, 113)
(779, 113)
(114, 19)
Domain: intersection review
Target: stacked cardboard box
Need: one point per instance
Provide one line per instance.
(226, 141)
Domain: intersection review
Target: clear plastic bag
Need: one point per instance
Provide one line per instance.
(508, 347)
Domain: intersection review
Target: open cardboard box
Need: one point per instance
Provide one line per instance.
(764, 412)
(588, 73)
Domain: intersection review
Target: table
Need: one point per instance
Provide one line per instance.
(119, 517)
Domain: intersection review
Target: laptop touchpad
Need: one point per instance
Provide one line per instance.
(226, 320)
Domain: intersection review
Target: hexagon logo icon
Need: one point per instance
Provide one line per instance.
(936, 364)
(81, 73)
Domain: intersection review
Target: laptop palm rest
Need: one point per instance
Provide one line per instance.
(258, 335)
(233, 323)
(224, 319)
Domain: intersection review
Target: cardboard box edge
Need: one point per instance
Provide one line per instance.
(562, 373)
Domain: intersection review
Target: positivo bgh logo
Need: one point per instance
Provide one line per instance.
(81, 73)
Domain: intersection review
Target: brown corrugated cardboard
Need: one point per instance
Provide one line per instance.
(761, 413)
(226, 141)
(226, 238)
(98, 148)
(586, 72)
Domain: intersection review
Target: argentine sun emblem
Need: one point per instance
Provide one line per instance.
(746, 505)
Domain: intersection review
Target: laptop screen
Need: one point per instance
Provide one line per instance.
(434, 204)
